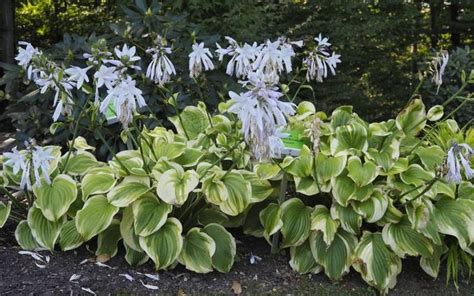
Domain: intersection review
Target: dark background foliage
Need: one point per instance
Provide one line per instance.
(383, 45)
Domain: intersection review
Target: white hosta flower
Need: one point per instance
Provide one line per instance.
(126, 57)
(78, 75)
(242, 57)
(160, 68)
(438, 66)
(24, 57)
(41, 162)
(261, 113)
(62, 98)
(320, 60)
(197, 58)
(125, 97)
(458, 158)
(270, 58)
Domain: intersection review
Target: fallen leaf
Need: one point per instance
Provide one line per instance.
(102, 258)
(88, 291)
(236, 288)
(74, 277)
(127, 276)
(104, 265)
(40, 265)
(254, 259)
(150, 287)
(154, 277)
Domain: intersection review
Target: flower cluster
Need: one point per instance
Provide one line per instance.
(160, 68)
(320, 60)
(437, 66)
(37, 159)
(262, 113)
(458, 158)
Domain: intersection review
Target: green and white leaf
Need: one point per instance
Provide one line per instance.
(175, 185)
(296, 219)
(149, 214)
(107, 240)
(223, 258)
(321, 220)
(128, 191)
(98, 181)
(95, 217)
(25, 238)
(302, 260)
(270, 218)
(43, 230)
(70, 238)
(4, 212)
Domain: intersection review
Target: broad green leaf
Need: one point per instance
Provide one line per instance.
(127, 229)
(69, 238)
(372, 209)
(149, 214)
(270, 217)
(305, 109)
(214, 189)
(128, 160)
(97, 181)
(54, 200)
(454, 217)
(307, 185)
(174, 185)
(212, 215)
(239, 194)
(198, 249)
(190, 157)
(349, 139)
(95, 217)
(466, 190)
(343, 188)
(431, 157)
(164, 246)
(223, 258)
(375, 262)
(296, 219)
(336, 258)
(412, 119)
(302, 260)
(44, 231)
(261, 189)
(80, 143)
(350, 221)
(108, 239)
(24, 237)
(191, 122)
(267, 170)
(404, 240)
(416, 175)
(435, 113)
(4, 212)
(431, 263)
(302, 165)
(252, 225)
(79, 162)
(341, 116)
(126, 192)
(321, 220)
(133, 257)
(328, 167)
(164, 149)
(361, 174)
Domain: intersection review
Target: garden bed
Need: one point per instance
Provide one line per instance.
(271, 275)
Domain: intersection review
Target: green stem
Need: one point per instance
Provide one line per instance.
(281, 198)
(13, 199)
(113, 154)
(428, 187)
(220, 159)
(463, 86)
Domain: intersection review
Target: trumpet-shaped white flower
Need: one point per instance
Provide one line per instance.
(41, 163)
(125, 97)
(126, 57)
(197, 58)
(438, 66)
(458, 158)
(320, 60)
(269, 59)
(25, 55)
(62, 98)
(242, 57)
(15, 160)
(78, 75)
(160, 68)
(261, 113)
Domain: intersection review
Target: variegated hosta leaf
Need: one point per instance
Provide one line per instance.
(375, 262)
(343, 188)
(252, 225)
(79, 162)
(133, 257)
(392, 214)
(435, 113)
(270, 217)
(95, 217)
(454, 217)
(350, 221)
(163, 149)
(341, 116)
(300, 166)
(128, 191)
(445, 188)
(372, 209)
(404, 240)
(107, 240)
(214, 189)
(302, 260)
(361, 174)
(431, 157)
(328, 167)
(307, 185)
(267, 170)
(54, 200)
(321, 220)
(127, 230)
(349, 139)
(466, 190)
(261, 189)
(25, 238)
(191, 122)
(398, 167)
(296, 219)
(223, 258)
(416, 175)
(44, 231)
(239, 192)
(198, 249)
(212, 215)
(69, 238)
(190, 157)
(164, 246)
(336, 258)
(97, 181)
(413, 118)
(431, 263)
(175, 185)
(4, 212)
(131, 160)
(149, 214)
(420, 214)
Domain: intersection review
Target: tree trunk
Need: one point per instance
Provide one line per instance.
(7, 14)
